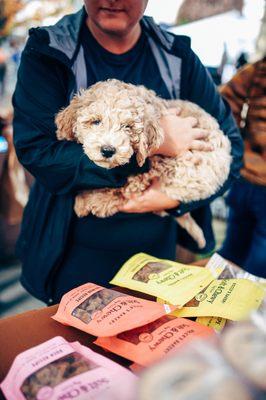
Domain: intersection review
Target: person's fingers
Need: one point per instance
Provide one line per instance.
(155, 184)
(173, 111)
(133, 196)
(128, 206)
(170, 111)
(192, 121)
(200, 145)
(200, 133)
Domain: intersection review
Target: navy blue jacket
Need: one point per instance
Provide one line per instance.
(52, 69)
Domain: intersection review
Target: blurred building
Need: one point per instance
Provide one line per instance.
(233, 25)
(193, 10)
(220, 48)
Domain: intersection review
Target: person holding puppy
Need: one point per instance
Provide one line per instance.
(106, 39)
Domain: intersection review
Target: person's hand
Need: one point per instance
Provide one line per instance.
(180, 135)
(152, 200)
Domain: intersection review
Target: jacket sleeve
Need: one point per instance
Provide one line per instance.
(60, 166)
(202, 91)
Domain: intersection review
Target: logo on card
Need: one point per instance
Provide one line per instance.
(201, 296)
(145, 337)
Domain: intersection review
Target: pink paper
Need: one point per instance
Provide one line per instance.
(58, 370)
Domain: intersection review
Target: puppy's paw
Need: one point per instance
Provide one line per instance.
(81, 207)
(103, 211)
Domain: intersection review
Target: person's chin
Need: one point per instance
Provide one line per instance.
(113, 25)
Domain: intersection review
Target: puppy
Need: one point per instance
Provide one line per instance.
(113, 120)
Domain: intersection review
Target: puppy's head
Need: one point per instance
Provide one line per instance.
(113, 120)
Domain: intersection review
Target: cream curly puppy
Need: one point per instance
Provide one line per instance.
(112, 120)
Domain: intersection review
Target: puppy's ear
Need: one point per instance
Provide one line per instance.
(66, 119)
(141, 149)
(149, 109)
(150, 139)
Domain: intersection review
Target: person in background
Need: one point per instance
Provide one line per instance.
(105, 39)
(242, 60)
(245, 242)
(16, 53)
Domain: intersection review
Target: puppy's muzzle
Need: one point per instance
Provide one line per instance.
(108, 151)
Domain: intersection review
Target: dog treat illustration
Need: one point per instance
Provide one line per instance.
(94, 303)
(114, 120)
(146, 273)
(55, 373)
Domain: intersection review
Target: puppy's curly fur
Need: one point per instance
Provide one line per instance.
(112, 120)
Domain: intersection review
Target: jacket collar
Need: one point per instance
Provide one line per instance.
(64, 35)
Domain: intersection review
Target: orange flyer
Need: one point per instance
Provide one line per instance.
(105, 312)
(151, 342)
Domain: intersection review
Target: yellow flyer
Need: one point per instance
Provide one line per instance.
(173, 282)
(231, 299)
(217, 323)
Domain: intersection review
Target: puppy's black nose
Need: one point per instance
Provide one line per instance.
(108, 151)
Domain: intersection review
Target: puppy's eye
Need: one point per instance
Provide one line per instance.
(126, 126)
(96, 122)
